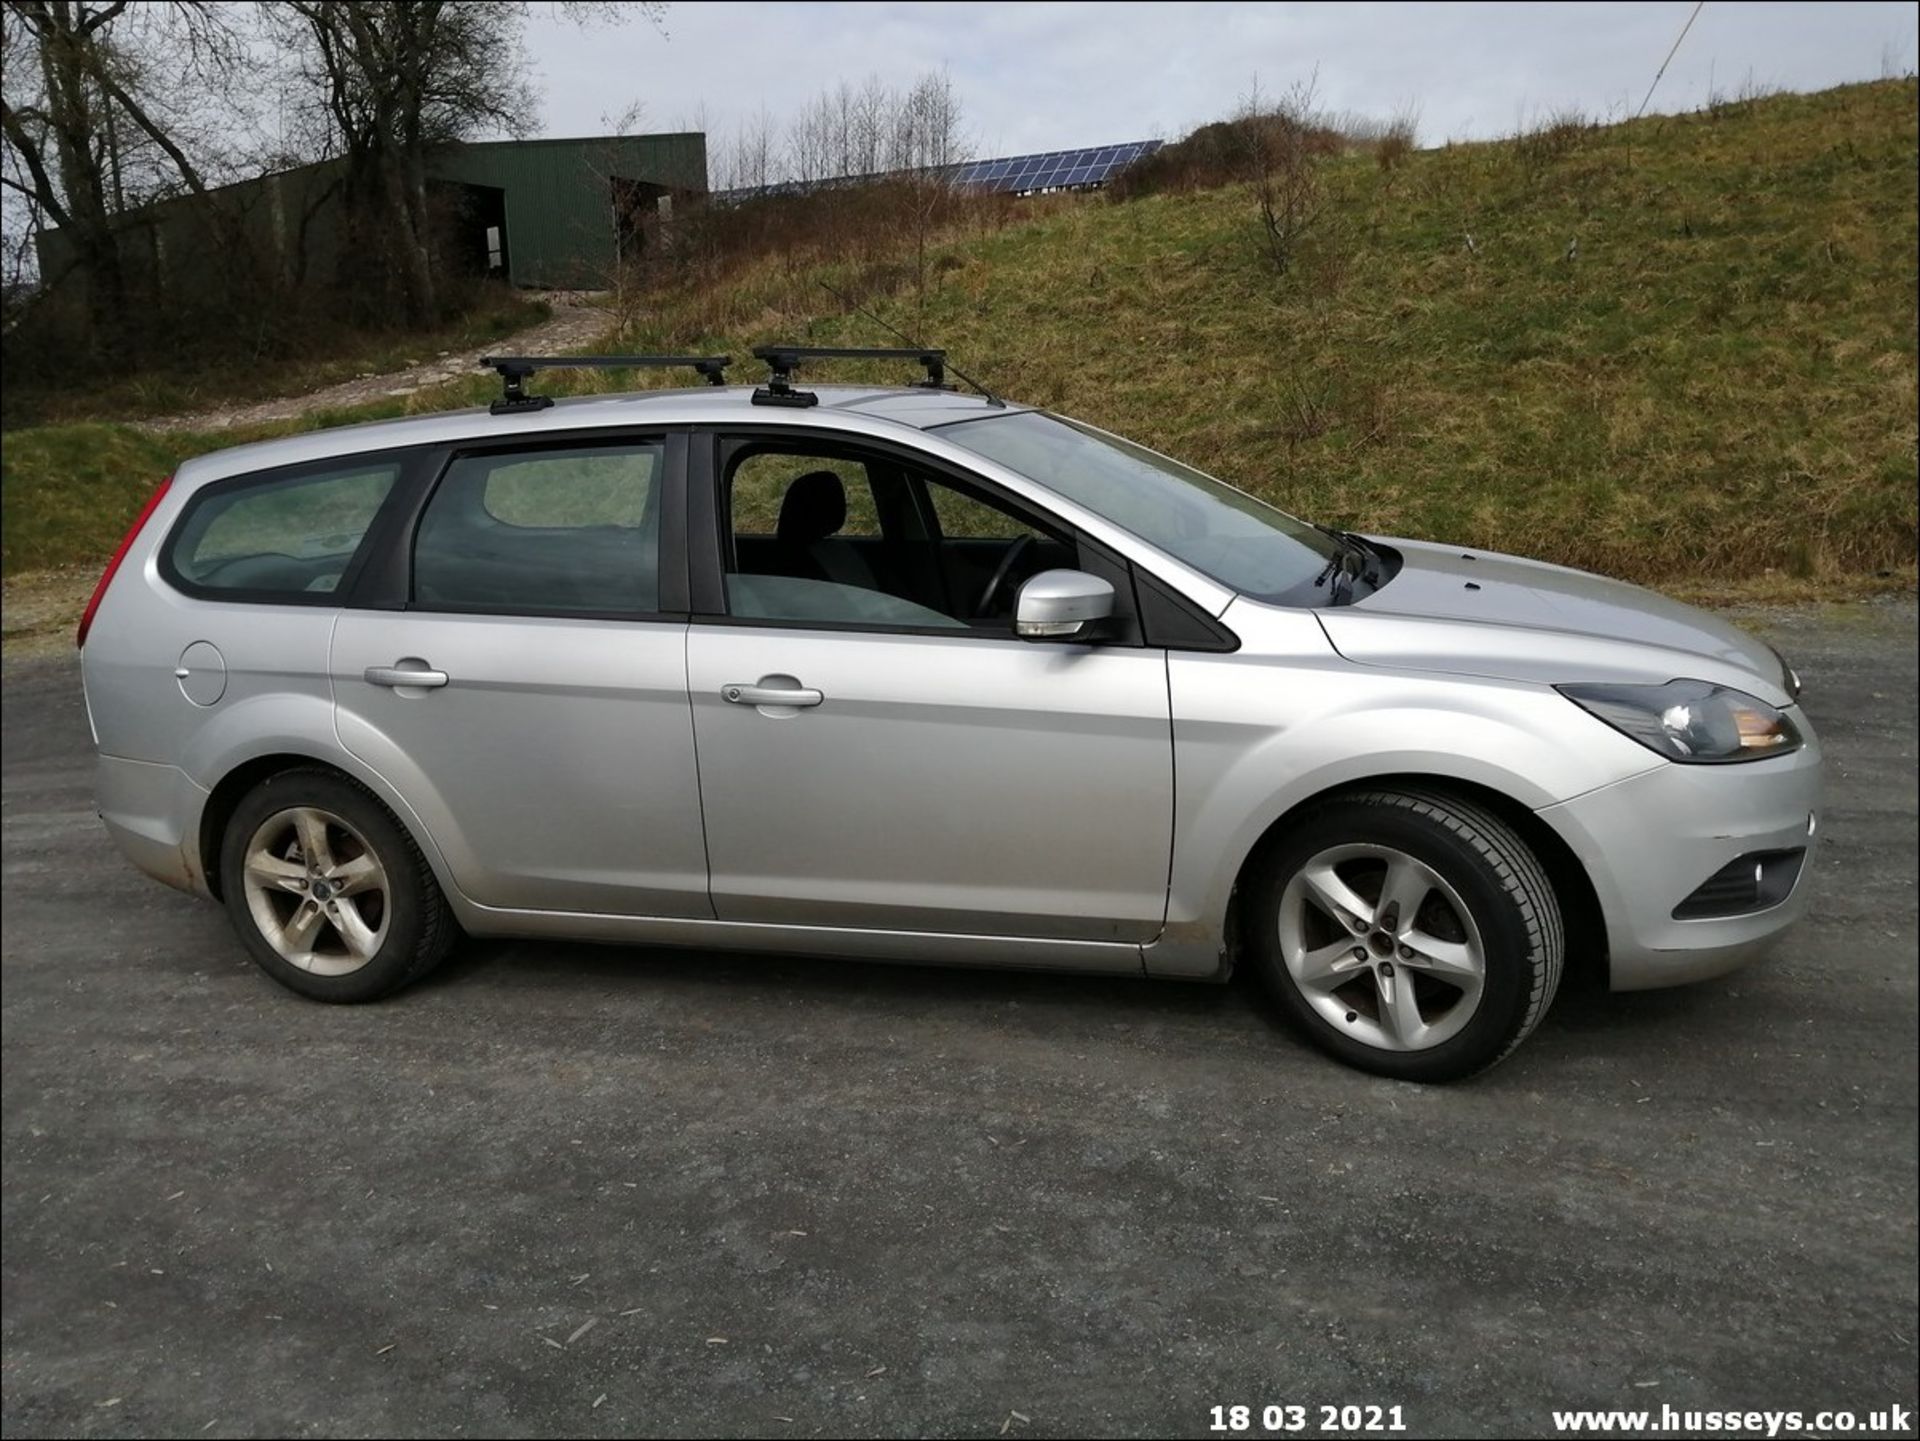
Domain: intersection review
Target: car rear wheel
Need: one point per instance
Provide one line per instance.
(328, 893)
(1409, 933)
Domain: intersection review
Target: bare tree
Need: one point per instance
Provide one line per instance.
(754, 151)
(811, 151)
(20, 280)
(1284, 142)
(79, 110)
(868, 124)
(386, 81)
(389, 81)
(927, 136)
(933, 109)
(627, 122)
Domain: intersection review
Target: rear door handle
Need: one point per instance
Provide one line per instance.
(770, 695)
(402, 675)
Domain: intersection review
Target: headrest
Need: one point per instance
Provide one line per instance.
(815, 506)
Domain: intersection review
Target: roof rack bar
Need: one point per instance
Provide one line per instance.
(782, 360)
(516, 370)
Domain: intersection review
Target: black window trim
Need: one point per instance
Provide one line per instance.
(392, 585)
(706, 543)
(405, 462)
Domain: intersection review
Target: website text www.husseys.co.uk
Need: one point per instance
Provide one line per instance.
(1689, 1421)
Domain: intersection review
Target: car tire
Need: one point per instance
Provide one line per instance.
(328, 892)
(1326, 906)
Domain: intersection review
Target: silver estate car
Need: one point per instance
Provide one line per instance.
(910, 674)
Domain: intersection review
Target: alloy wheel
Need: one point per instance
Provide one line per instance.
(1382, 947)
(317, 891)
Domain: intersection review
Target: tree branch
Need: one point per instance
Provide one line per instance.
(154, 132)
(99, 18)
(36, 167)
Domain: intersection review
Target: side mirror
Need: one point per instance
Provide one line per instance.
(1062, 605)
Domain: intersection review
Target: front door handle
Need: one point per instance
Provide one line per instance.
(406, 675)
(742, 694)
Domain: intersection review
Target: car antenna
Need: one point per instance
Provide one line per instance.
(900, 334)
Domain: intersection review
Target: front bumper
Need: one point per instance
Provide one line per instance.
(152, 812)
(1647, 842)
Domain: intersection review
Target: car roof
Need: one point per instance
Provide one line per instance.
(844, 408)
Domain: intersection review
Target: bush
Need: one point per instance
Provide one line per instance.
(883, 230)
(1552, 138)
(1214, 155)
(1394, 146)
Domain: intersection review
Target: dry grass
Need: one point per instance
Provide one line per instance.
(1716, 391)
(42, 609)
(1679, 351)
(307, 353)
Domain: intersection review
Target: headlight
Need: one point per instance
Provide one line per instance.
(1690, 720)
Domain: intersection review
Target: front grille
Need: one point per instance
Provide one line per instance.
(1753, 882)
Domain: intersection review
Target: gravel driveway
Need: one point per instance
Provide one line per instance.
(576, 319)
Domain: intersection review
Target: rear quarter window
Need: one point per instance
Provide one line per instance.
(279, 535)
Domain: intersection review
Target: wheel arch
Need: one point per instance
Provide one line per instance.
(227, 793)
(1585, 922)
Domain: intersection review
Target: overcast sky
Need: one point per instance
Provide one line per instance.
(1047, 76)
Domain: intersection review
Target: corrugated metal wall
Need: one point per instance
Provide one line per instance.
(288, 225)
(560, 225)
(560, 230)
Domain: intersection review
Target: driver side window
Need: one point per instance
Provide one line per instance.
(985, 552)
(828, 536)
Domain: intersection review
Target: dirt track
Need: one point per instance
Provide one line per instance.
(576, 319)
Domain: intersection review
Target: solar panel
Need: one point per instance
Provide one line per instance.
(1008, 174)
(1058, 169)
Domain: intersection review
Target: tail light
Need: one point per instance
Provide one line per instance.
(126, 544)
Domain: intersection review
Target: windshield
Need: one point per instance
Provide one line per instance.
(1221, 532)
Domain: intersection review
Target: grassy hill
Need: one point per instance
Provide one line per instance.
(1680, 350)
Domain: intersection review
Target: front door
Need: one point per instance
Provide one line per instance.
(877, 750)
(530, 702)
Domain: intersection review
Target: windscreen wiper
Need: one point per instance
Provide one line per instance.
(1340, 567)
(1366, 559)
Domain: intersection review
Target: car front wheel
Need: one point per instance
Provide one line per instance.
(329, 895)
(1409, 933)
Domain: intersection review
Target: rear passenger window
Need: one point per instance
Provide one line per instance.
(554, 531)
(287, 536)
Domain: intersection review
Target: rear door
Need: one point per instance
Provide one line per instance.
(527, 691)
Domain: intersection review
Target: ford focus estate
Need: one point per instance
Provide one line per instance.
(909, 674)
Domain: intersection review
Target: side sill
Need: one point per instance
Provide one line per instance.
(942, 948)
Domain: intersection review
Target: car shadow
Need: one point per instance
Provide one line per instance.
(522, 962)
(1582, 1010)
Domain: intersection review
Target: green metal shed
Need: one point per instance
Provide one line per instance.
(551, 214)
(567, 209)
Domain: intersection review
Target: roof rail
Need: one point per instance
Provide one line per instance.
(782, 360)
(515, 370)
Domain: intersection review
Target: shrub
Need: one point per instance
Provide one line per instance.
(1553, 137)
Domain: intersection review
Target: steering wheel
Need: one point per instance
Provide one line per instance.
(1001, 572)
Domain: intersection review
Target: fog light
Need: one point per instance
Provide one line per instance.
(1756, 881)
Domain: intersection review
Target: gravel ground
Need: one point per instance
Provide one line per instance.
(576, 319)
(562, 1190)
